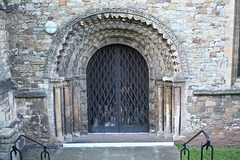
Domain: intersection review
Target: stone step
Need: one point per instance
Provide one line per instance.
(119, 144)
(118, 153)
(120, 137)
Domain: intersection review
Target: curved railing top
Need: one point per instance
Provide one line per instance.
(207, 144)
(205, 134)
(16, 150)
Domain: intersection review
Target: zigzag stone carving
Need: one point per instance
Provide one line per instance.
(81, 38)
(116, 37)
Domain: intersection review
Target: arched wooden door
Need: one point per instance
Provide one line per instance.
(118, 90)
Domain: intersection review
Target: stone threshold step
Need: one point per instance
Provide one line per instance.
(122, 144)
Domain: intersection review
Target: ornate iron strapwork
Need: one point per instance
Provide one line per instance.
(118, 90)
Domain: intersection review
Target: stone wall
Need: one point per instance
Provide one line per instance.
(199, 25)
(7, 108)
(236, 54)
(218, 114)
(204, 32)
(4, 50)
(33, 117)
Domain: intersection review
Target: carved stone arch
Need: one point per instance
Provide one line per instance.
(96, 21)
(79, 60)
(100, 35)
(76, 43)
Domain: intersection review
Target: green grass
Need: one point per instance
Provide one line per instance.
(219, 153)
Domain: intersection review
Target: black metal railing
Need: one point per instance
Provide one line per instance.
(207, 145)
(15, 150)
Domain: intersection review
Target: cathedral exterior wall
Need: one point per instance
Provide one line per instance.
(218, 114)
(7, 107)
(204, 31)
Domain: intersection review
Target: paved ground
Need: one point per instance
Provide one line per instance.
(121, 153)
(35, 154)
(110, 153)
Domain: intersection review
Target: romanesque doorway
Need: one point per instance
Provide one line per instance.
(118, 90)
(101, 86)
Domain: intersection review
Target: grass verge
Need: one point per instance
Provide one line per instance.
(219, 153)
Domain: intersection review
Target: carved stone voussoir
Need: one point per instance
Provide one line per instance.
(88, 30)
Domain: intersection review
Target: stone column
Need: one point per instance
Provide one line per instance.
(67, 109)
(76, 103)
(83, 106)
(168, 107)
(58, 113)
(177, 110)
(161, 106)
(178, 105)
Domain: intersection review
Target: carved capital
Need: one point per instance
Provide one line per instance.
(160, 83)
(168, 84)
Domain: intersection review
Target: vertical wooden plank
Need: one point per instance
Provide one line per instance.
(58, 113)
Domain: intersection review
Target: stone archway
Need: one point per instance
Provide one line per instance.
(75, 44)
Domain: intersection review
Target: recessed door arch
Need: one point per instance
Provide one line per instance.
(118, 90)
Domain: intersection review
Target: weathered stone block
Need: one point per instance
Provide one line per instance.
(180, 1)
(36, 67)
(210, 103)
(6, 86)
(63, 2)
(236, 115)
(198, 1)
(5, 147)
(7, 137)
(219, 110)
(6, 134)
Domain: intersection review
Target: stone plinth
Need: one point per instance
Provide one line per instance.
(7, 137)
